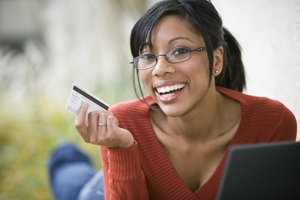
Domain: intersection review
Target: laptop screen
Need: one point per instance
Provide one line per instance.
(262, 171)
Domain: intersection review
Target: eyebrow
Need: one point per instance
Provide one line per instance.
(179, 38)
(172, 40)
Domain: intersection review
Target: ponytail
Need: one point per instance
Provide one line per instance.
(233, 73)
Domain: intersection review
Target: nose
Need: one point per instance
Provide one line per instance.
(162, 66)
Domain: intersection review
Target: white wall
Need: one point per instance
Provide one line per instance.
(268, 31)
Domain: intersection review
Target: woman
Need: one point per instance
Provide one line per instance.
(173, 143)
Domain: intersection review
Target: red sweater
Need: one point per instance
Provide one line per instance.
(144, 171)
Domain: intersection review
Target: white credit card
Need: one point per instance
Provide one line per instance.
(79, 96)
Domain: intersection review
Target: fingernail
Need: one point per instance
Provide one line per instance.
(84, 105)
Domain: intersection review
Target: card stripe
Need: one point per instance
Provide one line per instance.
(96, 101)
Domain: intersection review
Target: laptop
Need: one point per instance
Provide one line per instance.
(262, 171)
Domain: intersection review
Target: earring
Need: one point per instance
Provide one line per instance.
(217, 71)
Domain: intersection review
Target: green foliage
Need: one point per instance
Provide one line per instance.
(27, 137)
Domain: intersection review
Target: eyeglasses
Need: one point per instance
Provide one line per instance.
(178, 55)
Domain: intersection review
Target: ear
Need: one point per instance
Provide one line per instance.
(218, 61)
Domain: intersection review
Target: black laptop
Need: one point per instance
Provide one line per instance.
(262, 171)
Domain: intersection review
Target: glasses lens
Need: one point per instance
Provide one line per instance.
(178, 55)
(144, 61)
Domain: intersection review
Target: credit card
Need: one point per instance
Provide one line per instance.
(79, 96)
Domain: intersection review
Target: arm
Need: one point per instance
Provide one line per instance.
(123, 176)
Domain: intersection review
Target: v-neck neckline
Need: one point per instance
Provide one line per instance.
(216, 176)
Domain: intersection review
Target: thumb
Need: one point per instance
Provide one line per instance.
(80, 116)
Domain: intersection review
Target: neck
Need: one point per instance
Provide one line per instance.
(202, 123)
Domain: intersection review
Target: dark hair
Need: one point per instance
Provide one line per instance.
(205, 20)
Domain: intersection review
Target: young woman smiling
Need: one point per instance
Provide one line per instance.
(173, 143)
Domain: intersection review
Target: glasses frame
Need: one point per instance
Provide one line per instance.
(198, 49)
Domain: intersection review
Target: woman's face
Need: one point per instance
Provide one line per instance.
(187, 82)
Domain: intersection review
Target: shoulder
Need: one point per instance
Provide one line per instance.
(251, 103)
(268, 119)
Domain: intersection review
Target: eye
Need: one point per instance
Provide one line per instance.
(179, 52)
(146, 56)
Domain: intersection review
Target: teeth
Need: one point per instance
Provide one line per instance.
(170, 88)
(167, 89)
(168, 95)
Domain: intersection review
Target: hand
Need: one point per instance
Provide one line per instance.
(109, 135)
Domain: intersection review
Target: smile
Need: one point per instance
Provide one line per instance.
(169, 90)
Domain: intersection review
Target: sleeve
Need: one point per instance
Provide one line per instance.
(122, 173)
(286, 128)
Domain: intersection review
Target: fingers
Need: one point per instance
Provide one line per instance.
(102, 120)
(88, 132)
(102, 129)
(112, 123)
(106, 134)
(92, 127)
(120, 138)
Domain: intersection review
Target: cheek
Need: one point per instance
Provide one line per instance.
(145, 77)
(198, 68)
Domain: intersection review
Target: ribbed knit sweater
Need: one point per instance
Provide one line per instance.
(144, 171)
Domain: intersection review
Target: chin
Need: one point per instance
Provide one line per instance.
(172, 112)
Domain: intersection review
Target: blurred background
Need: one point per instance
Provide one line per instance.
(48, 45)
